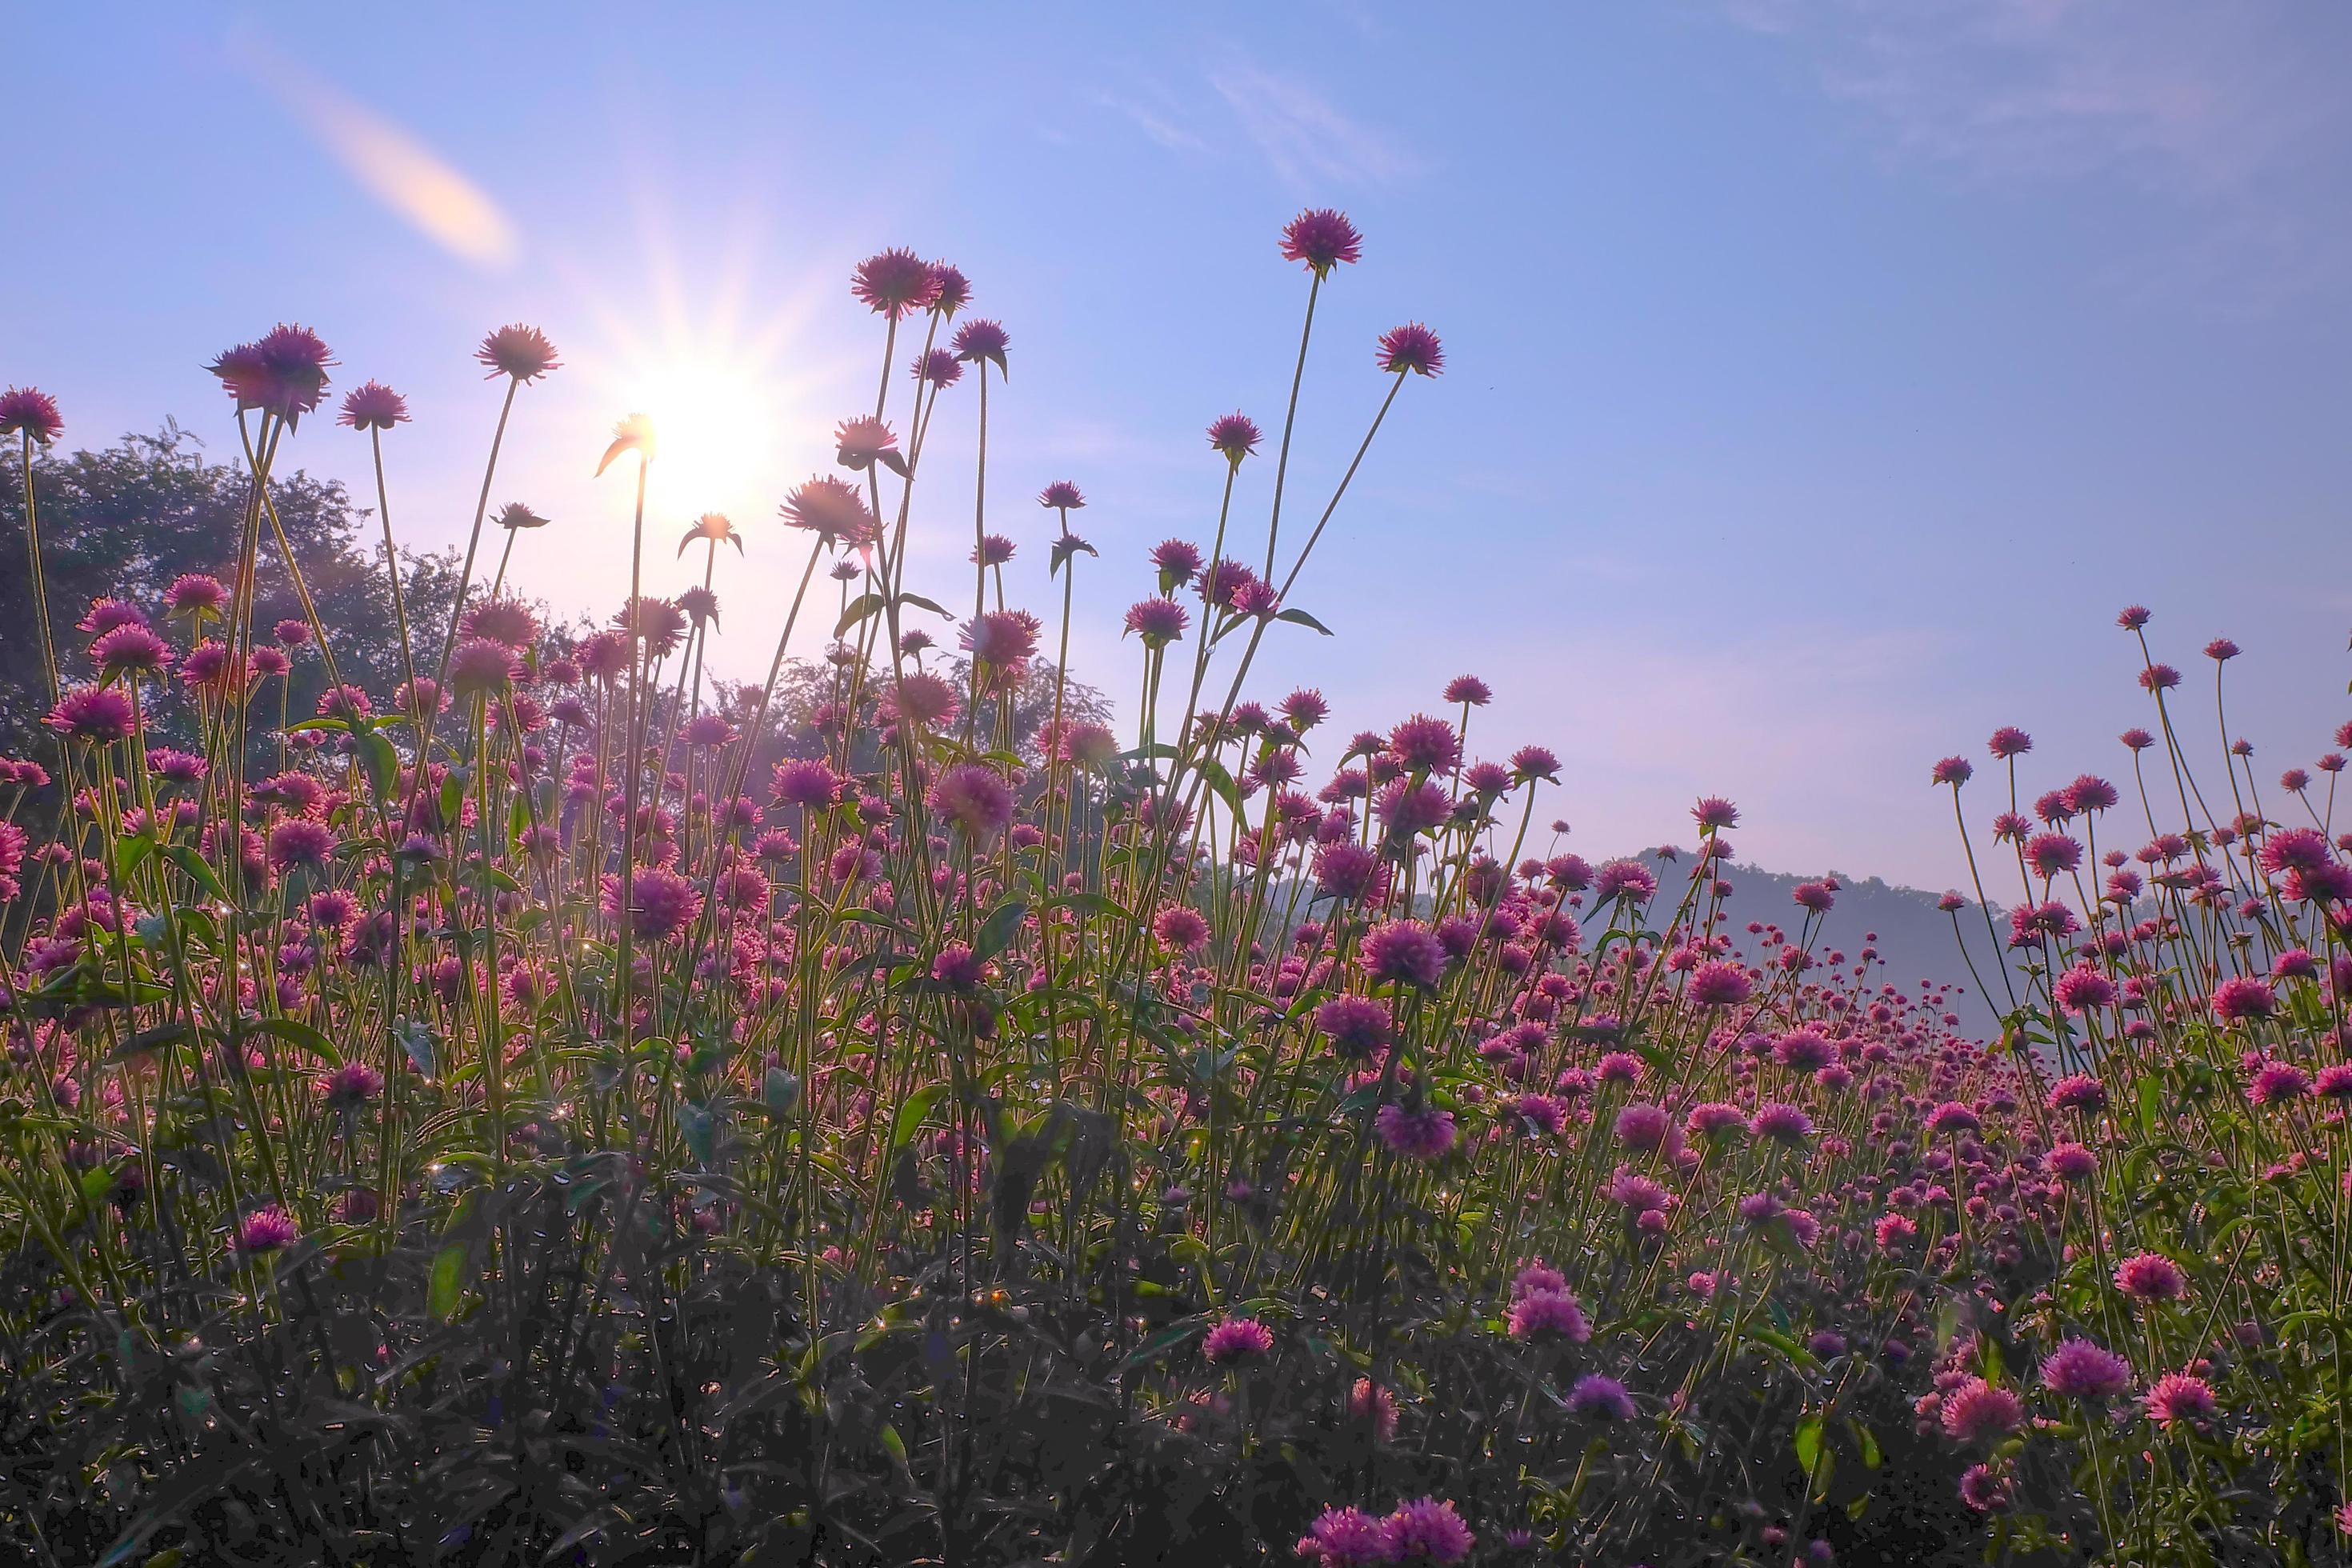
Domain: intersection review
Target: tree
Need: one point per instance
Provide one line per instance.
(126, 522)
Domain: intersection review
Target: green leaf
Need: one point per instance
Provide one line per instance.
(185, 857)
(1808, 1444)
(147, 1040)
(1004, 924)
(859, 608)
(912, 1114)
(1301, 618)
(922, 604)
(300, 1036)
(382, 763)
(2151, 1104)
(448, 1280)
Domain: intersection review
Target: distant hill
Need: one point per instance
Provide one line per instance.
(1914, 940)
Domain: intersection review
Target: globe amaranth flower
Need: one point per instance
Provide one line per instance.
(97, 714)
(1158, 622)
(1181, 927)
(2151, 1277)
(1427, 1134)
(2078, 1369)
(862, 441)
(977, 340)
(195, 594)
(1404, 952)
(2177, 1399)
(1345, 1538)
(265, 1230)
(1322, 238)
(351, 1084)
(662, 904)
(299, 841)
(975, 799)
(1411, 347)
(28, 412)
(372, 406)
(508, 621)
(832, 509)
(1544, 1315)
(951, 290)
(2242, 997)
(1002, 639)
(1241, 1339)
(131, 650)
(1062, 495)
(1981, 1412)
(896, 284)
(1356, 1026)
(1236, 436)
(940, 367)
(1718, 983)
(1602, 1396)
(520, 351)
(482, 667)
(283, 372)
(1427, 1530)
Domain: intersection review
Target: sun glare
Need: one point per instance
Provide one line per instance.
(718, 425)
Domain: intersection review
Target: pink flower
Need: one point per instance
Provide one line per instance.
(265, 1230)
(372, 406)
(93, 713)
(1411, 347)
(975, 799)
(2179, 1400)
(1427, 1531)
(2151, 1277)
(1978, 1412)
(1322, 238)
(1237, 1340)
(895, 283)
(1544, 1315)
(662, 905)
(521, 351)
(25, 411)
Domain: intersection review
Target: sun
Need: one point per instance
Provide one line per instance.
(719, 425)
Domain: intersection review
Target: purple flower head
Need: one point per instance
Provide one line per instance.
(1411, 347)
(830, 508)
(265, 1230)
(94, 713)
(1237, 1340)
(663, 903)
(27, 412)
(195, 594)
(952, 290)
(517, 351)
(1980, 1412)
(1176, 562)
(2179, 1399)
(1404, 952)
(896, 284)
(372, 406)
(1601, 1396)
(1345, 1538)
(1427, 1530)
(1061, 495)
(1544, 1315)
(1236, 436)
(482, 667)
(2151, 1277)
(1322, 238)
(130, 650)
(1424, 1135)
(978, 341)
(2079, 1369)
(975, 799)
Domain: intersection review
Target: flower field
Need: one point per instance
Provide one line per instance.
(517, 1112)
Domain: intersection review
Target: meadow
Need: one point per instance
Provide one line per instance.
(519, 1113)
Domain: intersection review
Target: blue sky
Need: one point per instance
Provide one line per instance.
(1821, 377)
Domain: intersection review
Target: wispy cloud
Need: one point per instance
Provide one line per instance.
(390, 163)
(1307, 139)
(2231, 114)
(2199, 96)
(1161, 118)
